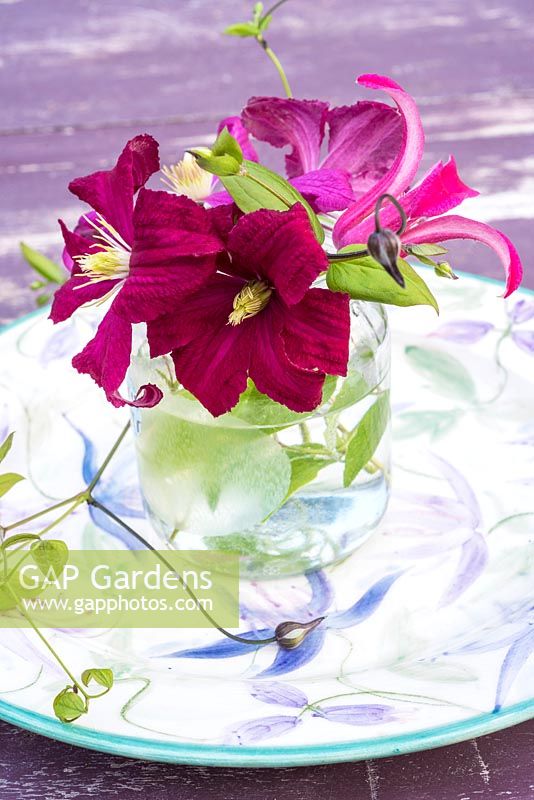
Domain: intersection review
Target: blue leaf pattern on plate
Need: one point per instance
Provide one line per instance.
(515, 659)
(366, 605)
(280, 694)
(365, 714)
(257, 730)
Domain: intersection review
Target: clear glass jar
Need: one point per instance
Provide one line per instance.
(289, 492)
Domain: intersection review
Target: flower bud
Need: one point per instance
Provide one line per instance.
(384, 246)
(443, 270)
(290, 635)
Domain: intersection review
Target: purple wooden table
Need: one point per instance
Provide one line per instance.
(78, 77)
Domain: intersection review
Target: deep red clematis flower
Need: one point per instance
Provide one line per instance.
(259, 318)
(144, 258)
(439, 191)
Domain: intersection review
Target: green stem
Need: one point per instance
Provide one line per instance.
(500, 366)
(79, 500)
(184, 585)
(347, 256)
(276, 61)
(47, 644)
(107, 459)
(509, 519)
(42, 513)
(305, 433)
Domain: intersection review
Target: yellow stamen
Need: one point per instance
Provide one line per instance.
(186, 177)
(252, 299)
(111, 260)
(107, 263)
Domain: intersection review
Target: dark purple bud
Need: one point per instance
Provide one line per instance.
(384, 246)
(290, 635)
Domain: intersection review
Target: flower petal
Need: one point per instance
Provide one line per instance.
(174, 253)
(463, 331)
(515, 658)
(522, 311)
(439, 191)
(462, 489)
(322, 592)
(222, 198)
(82, 229)
(224, 648)
(456, 227)
(286, 121)
(214, 364)
(473, 559)
(524, 340)
(78, 290)
(325, 189)
(280, 247)
(241, 135)
(207, 310)
(364, 139)
(279, 694)
(110, 192)
(316, 332)
(256, 730)
(273, 373)
(365, 606)
(404, 167)
(290, 660)
(106, 359)
(363, 714)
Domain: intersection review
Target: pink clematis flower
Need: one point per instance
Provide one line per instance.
(439, 191)
(363, 141)
(143, 258)
(259, 318)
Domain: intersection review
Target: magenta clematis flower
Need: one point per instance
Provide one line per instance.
(363, 142)
(143, 258)
(259, 318)
(439, 191)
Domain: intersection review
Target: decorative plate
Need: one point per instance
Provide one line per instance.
(429, 625)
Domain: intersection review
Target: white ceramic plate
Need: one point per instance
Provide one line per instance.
(429, 626)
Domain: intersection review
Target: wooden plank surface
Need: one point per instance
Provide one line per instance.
(78, 77)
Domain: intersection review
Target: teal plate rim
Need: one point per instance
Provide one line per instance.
(264, 756)
(245, 756)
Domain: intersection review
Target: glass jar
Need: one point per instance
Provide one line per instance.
(289, 492)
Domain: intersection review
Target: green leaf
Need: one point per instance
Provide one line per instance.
(104, 677)
(446, 374)
(365, 279)
(224, 158)
(365, 438)
(264, 23)
(305, 468)
(5, 447)
(43, 265)
(426, 249)
(258, 187)
(19, 538)
(42, 299)
(7, 482)
(353, 388)
(225, 144)
(414, 423)
(242, 29)
(69, 706)
(51, 554)
(193, 473)
(259, 410)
